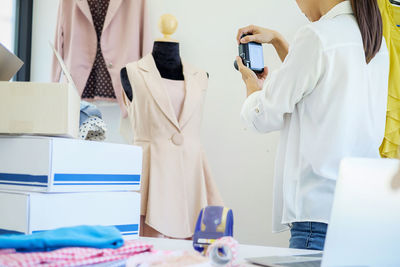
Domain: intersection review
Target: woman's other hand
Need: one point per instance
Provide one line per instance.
(254, 82)
(264, 36)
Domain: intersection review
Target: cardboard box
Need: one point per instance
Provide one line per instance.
(50, 109)
(28, 213)
(50, 164)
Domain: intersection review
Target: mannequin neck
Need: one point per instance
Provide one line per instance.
(168, 60)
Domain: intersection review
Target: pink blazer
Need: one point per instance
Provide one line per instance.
(125, 38)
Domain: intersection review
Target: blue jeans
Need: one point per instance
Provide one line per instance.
(308, 235)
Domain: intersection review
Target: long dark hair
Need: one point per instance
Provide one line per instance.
(369, 19)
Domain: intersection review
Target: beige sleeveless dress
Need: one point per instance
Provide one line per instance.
(176, 180)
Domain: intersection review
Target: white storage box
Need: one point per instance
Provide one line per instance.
(50, 109)
(49, 164)
(34, 212)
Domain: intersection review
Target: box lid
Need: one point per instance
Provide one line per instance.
(9, 64)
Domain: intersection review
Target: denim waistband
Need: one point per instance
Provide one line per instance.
(315, 227)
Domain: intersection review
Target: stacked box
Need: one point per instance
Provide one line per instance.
(49, 182)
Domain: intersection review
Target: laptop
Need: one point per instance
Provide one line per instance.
(9, 64)
(365, 223)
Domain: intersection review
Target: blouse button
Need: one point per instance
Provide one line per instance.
(110, 65)
(177, 139)
(257, 110)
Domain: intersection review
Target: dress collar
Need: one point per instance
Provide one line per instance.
(342, 8)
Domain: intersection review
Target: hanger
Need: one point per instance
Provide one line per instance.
(395, 2)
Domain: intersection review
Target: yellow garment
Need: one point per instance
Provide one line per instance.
(391, 18)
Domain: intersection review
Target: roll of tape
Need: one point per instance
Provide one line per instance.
(223, 252)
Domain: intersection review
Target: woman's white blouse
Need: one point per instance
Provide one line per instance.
(328, 104)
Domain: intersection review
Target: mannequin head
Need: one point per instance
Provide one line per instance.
(167, 25)
(315, 9)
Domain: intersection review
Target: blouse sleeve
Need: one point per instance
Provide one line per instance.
(264, 111)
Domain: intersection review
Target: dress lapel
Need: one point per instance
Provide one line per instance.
(84, 7)
(154, 83)
(193, 94)
(112, 10)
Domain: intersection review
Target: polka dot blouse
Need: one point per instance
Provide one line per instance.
(99, 83)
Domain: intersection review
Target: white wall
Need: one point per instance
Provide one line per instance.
(44, 26)
(242, 162)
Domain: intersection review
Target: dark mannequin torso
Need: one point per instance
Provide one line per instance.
(168, 61)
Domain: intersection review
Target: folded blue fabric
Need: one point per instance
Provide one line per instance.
(88, 110)
(79, 236)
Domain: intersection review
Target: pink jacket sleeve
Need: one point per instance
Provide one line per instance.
(58, 44)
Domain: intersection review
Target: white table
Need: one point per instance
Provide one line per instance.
(245, 251)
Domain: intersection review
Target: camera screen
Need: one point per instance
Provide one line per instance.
(256, 56)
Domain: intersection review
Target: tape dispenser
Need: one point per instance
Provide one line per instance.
(213, 223)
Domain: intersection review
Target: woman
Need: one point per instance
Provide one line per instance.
(328, 99)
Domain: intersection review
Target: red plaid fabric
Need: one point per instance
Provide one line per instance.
(72, 256)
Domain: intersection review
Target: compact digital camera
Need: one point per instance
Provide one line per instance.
(252, 56)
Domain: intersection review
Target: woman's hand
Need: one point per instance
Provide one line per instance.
(254, 82)
(256, 34)
(264, 36)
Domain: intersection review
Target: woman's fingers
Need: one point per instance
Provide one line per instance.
(246, 30)
(264, 74)
(256, 34)
(240, 63)
(252, 81)
(251, 38)
(245, 71)
(242, 68)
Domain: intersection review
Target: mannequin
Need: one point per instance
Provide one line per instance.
(166, 55)
(168, 62)
(165, 113)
